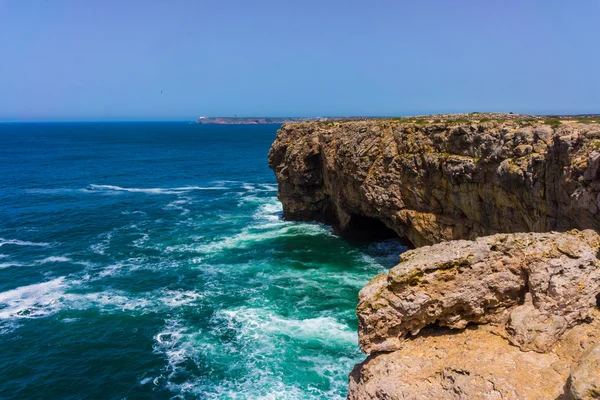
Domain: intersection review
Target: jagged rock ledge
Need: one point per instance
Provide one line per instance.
(522, 312)
(442, 178)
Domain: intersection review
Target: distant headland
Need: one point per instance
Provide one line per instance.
(262, 120)
(475, 116)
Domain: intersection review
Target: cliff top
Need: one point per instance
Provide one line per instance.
(474, 117)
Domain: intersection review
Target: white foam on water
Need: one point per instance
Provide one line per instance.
(145, 381)
(53, 191)
(110, 270)
(3, 256)
(112, 188)
(101, 247)
(271, 211)
(175, 190)
(107, 301)
(32, 301)
(263, 323)
(178, 298)
(253, 235)
(178, 205)
(140, 242)
(258, 187)
(174, 342)
(17, 242)
(11, 264)
(192, 188)
(54, 259)
(133, 212)
(384, 255)
(261, 335)
(269, 188)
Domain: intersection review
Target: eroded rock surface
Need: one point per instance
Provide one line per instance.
(536, 285)
(477, 364)
(507, 316)
(584, 382)
(436, 180)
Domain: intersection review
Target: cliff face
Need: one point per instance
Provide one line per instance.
(431, 181)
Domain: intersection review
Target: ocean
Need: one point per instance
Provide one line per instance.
(151, 261)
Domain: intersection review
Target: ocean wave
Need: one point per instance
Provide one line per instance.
(54, 259)
(175, 190)
(32, 301)
(255, 355)
(101, 247)
(254, 235)
(263, 324)
(133, 212)
(17, 242)
(272, 210)
(9, 264)
(47, 298)
(178, 205)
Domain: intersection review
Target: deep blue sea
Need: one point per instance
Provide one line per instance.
(151, 261)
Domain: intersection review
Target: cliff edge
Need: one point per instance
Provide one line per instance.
(442, 178)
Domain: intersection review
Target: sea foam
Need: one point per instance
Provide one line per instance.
(21, 243)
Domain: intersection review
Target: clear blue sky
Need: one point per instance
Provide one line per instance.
(99, 60)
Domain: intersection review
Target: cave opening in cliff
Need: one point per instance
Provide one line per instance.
(363, 228)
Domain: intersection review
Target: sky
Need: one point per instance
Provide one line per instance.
(76, 60)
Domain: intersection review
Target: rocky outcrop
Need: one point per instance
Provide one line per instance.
(537, 285)
(477, 364)
(432, 179)
(522, 308)
(585, 379)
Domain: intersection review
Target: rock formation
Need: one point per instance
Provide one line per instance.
(502, 300)
(476, 364)
(537, 285)
(536, 294)
(442, 179)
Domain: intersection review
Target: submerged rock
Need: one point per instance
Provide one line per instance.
(432, 180)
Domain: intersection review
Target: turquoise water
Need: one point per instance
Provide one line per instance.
(150, 260)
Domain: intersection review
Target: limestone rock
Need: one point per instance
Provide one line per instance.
(533, 285)
(585, 379)
(433, 180)
(477, 364)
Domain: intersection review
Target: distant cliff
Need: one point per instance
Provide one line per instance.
(439, 178)
(252, 120)
(268, 120)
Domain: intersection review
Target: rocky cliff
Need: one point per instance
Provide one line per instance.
(500, 298)
(436, 179)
